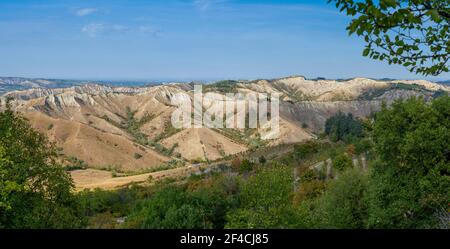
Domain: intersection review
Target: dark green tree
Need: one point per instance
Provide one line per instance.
(412, 33)
(342, 127)
(410, 182)
(35, 191)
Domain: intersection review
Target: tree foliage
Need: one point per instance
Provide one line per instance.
(412, 33)
(343, 205)
(35, 191)
(342, 127)
(173, 207)
(342, 162)
(410, 183)
(306, 149)
(265, 201)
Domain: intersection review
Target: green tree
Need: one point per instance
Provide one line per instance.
(265, 201)
(160, 211)
(410, 182)
(343, 205)
(35, 191)
(342, 162)
(174, 207)
(7, 187)
(412, 33)
(342, 127)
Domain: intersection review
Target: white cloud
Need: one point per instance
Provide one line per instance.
(149, 30)
(93, 29)
(85, 11)
(119, 28)
(96, 29)
(204, 5)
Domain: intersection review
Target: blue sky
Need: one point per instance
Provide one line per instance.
(181, 40)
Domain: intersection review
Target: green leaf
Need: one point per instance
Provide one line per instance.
(434, 14)
(366, 52)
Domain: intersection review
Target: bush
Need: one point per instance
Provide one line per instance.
(351, 150)
(236, 164)
(342, 162)
(343, 205)
(246, 166)
(309, 190)
(306, 149)
(75, 164)
(262, 160)
(173, 207)
(363, 146)
(265, 201)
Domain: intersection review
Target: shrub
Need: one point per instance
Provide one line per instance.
(265, 201)
(342, 162)
(351, 150)
(173, 207)
(236, 164)
(246, 166)
(309, 190)
(262, 160)
(306, 149)
(343, 205)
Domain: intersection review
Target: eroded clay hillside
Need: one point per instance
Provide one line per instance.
(129, 130)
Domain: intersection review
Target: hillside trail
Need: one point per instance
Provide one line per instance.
(93, 178)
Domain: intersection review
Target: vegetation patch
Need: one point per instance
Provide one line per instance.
(225, 86)
(343, 127)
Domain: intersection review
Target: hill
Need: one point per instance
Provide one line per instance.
(127, 130)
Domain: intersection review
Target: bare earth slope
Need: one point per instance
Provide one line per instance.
(203, 144)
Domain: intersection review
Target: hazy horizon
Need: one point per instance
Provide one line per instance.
(200, 79)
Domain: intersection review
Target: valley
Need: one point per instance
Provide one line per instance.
(113, 136)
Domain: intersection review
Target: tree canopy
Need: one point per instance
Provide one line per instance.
(265, 201)
(35, 191)
(410, 182)
(412, 33)
(342, 127)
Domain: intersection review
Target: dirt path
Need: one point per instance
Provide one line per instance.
(92, 178)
